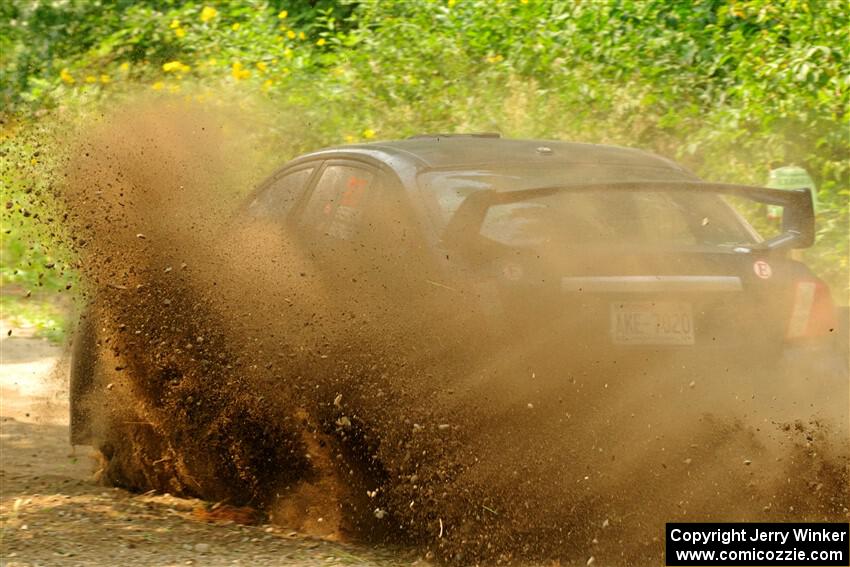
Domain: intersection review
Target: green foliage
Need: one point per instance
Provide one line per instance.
(29, 247)
(43, 317)
(731, 88)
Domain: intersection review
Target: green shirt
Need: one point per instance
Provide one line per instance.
(791, 177)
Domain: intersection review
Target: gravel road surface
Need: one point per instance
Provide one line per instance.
(54, 512)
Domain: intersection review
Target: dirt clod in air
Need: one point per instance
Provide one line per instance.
(339, 390)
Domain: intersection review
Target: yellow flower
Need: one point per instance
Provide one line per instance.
(452, 3)
(261, 65)
(282, 14)
(267, 84)
(494, 58)
(105, 79)
(180, 32)
(66, 77)
(523, 1)
(158, 86)
(321, 42)
(175, 67)
(208, 13)
(368, 133)
(287, 53)
(349, 139)
(124, 67)
(302, 35)
(236, 26)
(290, 34)
(238, 72)
(174, 24)
(212, 61)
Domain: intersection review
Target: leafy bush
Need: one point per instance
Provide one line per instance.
(44, 316)
(731, 88)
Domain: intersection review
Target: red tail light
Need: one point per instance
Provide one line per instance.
(813, 313)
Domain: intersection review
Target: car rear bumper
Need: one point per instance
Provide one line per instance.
(823, 361)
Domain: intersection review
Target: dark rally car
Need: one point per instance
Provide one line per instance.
(593, 250)
(613, 247)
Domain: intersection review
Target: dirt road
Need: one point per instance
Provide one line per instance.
(53, 512)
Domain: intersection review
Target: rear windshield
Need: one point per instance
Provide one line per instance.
(603, 217)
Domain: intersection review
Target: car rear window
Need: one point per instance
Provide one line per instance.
(610, 217)
(606, 216)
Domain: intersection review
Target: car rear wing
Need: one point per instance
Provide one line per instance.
(798, 217)
(798, 214)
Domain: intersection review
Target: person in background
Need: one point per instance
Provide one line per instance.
(789, 177)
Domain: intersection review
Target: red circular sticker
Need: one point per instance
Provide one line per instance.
(762, 269)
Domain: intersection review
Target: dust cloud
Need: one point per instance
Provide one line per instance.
(347, 390)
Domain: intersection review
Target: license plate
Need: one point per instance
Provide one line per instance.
(652, 323)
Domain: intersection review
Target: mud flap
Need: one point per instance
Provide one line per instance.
(83, 357)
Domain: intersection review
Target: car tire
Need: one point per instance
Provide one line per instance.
(83, 362)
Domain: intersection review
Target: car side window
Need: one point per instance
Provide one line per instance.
(336, 206)
(276, 200)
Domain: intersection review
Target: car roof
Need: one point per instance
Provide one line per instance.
(442, 151)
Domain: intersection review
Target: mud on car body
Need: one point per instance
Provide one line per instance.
(614, 251)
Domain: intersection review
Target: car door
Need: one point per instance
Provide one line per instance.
(357, 227)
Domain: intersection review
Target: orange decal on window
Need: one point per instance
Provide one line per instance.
(353, 193)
